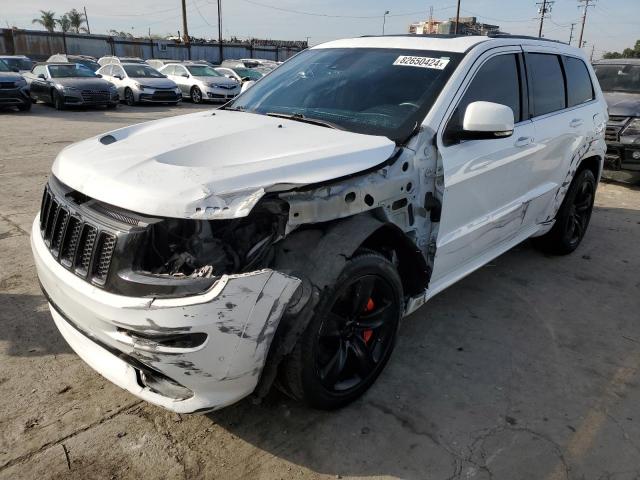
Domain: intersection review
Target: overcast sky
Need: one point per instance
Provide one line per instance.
(611, 24)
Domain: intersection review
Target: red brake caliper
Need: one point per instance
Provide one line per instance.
(368, 333)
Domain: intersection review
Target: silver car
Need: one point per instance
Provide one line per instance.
(200, 82)
(140, 83)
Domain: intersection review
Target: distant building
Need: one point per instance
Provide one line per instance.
(467, 26)
(425, 28)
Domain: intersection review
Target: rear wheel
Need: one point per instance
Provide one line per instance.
(196, 95)
(350, 337)
(573, 217)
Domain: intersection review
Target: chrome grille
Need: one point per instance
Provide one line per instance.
(614, 127)
(77, 244)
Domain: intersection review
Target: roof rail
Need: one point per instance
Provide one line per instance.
(523, 37)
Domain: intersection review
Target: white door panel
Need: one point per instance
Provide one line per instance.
(482, 202)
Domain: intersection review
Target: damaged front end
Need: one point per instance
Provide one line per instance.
(180, 312)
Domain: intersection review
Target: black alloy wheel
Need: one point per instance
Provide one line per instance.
(572, 218)
(58, 100)
(350, 337)
(356, 333)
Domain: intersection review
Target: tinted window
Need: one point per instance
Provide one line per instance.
(4, 67)
(70, 70)
(142, 71)
(618, 78)
(497, 81)
(579, 88)
(203, 71)
(39, 69)
(547, 83)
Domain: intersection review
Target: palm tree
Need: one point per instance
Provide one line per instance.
(47, 20)
(65, 23)
(77, 19)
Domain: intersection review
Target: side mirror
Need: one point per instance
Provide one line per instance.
(42, 76)
(185, 75)
(119, 77)
(486, 120)
(15, 70)
(99, 75)
(245, 79)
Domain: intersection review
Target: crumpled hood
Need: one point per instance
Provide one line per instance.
(82, 83)
(623, 104)
(214, 164)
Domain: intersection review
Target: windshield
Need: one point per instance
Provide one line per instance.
(90, 64)
(19, 63)
(248, 73)
(142, 71)
(203, 71)
(4, 67)
(619, 78)
(384, 92)
(69, 71)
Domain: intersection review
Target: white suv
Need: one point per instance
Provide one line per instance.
(195, 259)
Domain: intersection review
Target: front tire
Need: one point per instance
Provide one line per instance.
(129, 98)
(572, 218)
(25, 107)
(58, 100)
(196, 95)
(350, 336)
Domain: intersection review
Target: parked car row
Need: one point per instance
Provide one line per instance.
(80, 80)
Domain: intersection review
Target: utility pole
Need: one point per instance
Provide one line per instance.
(455, 31)
(573, 25)
(219, 29)
(593, 49)
(430, 24)
(545, 7)
(587, 4)
(185, 30)
(86, 19)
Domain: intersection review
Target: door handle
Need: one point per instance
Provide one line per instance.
(576, 122)
(523, 141)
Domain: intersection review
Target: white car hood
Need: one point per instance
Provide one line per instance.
(214, 164)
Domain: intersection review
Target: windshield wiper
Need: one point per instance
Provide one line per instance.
(234, 109)
(298, 117)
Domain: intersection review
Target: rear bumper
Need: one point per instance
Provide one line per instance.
(123, 337)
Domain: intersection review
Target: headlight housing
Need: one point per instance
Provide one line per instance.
(633, 129)
(141, 86)
(70, 89)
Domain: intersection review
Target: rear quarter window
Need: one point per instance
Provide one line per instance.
(547, 83)
(579, 86)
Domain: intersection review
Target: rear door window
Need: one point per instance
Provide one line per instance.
(547, 83)
(579, 87)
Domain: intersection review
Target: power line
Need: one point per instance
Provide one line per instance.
(326, 15)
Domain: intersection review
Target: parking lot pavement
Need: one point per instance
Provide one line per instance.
(527, 369)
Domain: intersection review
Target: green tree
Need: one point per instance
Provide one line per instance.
(47, 20)
(65, 23)
(626, 53)
(77, 20)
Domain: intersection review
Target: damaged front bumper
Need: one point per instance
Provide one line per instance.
(187, 354)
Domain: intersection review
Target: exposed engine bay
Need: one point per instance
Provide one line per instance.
(203, 248)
